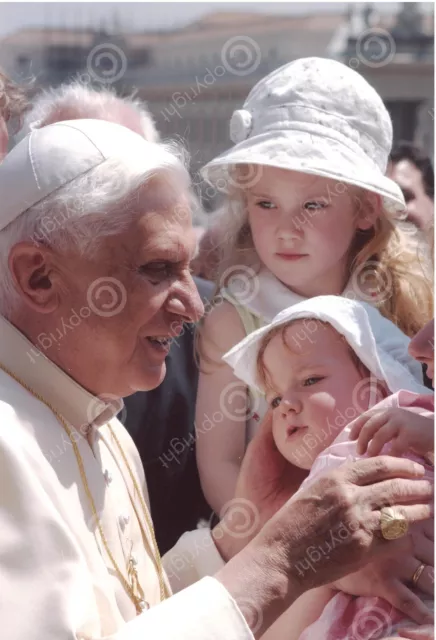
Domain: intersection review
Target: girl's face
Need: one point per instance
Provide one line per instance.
(302, 228)
(422, 348)
(316, 389)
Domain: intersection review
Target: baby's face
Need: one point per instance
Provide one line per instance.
(316, 389)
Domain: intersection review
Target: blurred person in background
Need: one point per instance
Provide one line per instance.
(411, 168)
(168, 453)
(13, 104)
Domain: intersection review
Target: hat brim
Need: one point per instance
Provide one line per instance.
(379, 344)
(308, 153)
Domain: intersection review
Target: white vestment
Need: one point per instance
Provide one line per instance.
(56, 580)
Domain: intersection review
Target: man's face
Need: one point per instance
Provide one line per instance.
(420, 208)
(4, 138)
(126, 302)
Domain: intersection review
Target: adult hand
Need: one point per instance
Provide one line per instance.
(328, 531)
(390, 578)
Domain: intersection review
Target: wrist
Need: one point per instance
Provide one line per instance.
(260, 585)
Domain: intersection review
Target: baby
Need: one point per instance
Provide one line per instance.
(321, 364)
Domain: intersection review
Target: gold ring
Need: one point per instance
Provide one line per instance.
(393, 524)
(418, 573)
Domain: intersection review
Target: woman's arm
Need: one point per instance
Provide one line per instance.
(221, 408)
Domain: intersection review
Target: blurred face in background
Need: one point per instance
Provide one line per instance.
(420, 207)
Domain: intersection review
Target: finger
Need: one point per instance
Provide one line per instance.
(426, 580)
(357, 425)
(374, 470)
(373, 424)
(385, 434)
(399, 446)
(403, 599)
(398, 491)
(427, 529)
(412, 513)
(424, 549)
(425, 632)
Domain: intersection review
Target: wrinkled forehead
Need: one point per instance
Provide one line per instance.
(165, 224)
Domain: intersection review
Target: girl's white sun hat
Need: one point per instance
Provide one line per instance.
(316, 116)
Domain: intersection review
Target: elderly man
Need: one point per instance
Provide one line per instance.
(12, 106)
(176, 498)
(89, 304)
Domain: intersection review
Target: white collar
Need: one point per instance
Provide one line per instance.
(67, 397)
(271, 296)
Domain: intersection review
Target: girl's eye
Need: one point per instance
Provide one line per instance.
(314, 205)
(265, 204)
(312, 380)
(275, 402)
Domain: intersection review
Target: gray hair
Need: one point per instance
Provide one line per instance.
(100, 203)
(77, 100)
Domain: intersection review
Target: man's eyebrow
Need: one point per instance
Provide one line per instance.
(170, 252)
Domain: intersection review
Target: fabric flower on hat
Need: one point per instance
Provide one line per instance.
(240, 125)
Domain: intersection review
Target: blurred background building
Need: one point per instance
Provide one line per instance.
(193, 77)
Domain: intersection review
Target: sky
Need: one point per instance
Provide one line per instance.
(144, 16)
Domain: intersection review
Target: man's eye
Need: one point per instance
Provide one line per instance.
(312, 380)
(275, 402)
(157, 270)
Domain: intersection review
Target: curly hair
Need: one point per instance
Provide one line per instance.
(378, 256)
(13, 100)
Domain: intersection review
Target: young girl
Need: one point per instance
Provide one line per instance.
(308, 211)
(321, 363)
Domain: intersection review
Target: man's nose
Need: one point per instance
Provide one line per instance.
(185, 301)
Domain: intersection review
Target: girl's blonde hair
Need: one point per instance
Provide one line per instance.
(382, 259)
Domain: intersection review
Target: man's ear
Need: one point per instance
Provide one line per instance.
(368, 209)
(35, 276)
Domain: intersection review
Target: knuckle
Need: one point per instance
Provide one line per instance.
(406, 603)
(361, 540)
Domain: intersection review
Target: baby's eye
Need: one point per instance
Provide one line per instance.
(275, 402)
(314, 205)
(265, 204)
(312, 380)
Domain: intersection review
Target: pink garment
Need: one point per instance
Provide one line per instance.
(348, 617)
